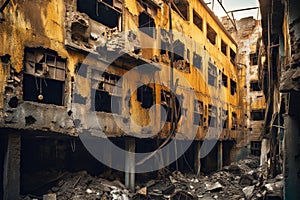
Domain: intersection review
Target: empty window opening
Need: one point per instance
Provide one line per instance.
(212, 116)
(224, 118)
(105, 94)
(197, 19)
(254, 86)
(232, 56)
(255, 148)
(106, 12)
(145, 96)
(164, 42)
(44, 76)
(182, 8)
(232, 87)
(234, 121)
(224, 80)
(212, 74)
(253, 59)
(223, 47)
(180, 62)
(198, 113)
(166, 103)
(258, 115)
(147, 24)
(211, 34)
(197, 61)
(179, 49)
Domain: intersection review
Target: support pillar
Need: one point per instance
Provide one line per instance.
(130, 163)
(292, 158)
(220, 155)
(197, 158)
(11, 174)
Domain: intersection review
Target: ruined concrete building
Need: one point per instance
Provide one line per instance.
(53, 55)
(251, 52)
(279, 77)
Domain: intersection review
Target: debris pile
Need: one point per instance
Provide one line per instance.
(244, 180)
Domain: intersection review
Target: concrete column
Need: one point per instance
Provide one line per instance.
(130, 163)
(220, 155)
(197, 156)
(11, 174)
(292, 158)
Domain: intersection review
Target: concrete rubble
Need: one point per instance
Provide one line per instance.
(243, 180)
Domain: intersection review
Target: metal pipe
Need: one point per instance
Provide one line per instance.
(243, 9)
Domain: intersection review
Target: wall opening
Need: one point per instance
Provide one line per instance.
(197, 19)
(147, 24)
(232, 87)
(258, 115)
(256, 148)
(182, 8)
(232, 56)
(44, 76)
(212, 116)
(224, 118)
(105, 96)
(166, 103)
(224, 80)
(145, 95)
(211, 34)
(253, 59)
(254, 86)
(223, 47)
(197, 61)
(212, 75)
(106, 12)
(234, 121)
(198, 113)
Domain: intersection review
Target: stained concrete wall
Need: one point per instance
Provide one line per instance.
(53, 31)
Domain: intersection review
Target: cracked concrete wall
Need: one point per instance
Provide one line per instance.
(60, 27)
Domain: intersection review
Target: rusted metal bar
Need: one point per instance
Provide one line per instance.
(242, 9)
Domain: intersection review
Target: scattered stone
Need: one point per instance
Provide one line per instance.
(248, 191)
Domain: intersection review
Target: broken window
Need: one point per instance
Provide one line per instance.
(224, 118)
(44, 76)
(145, 96)
(212, 116)
(106, 94)
(197, 19)
(232, 56)
(258, 115)
(166, 103)
(232, 87)
(211, 34)
(223, 47)
(147, 24)
(198, 113)
(106, 12)
(182, 8)
(234, 121)
(254, 86)
(212, 74)
(253, 59)
(224, 80)
(197, 61)
(179, 62)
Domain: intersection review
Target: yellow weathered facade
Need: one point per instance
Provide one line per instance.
(55, 72)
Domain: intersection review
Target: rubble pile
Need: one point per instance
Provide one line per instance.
(243, 180)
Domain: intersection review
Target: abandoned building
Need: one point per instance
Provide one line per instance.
(248, 36)
(77, 75)
(279, 78)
